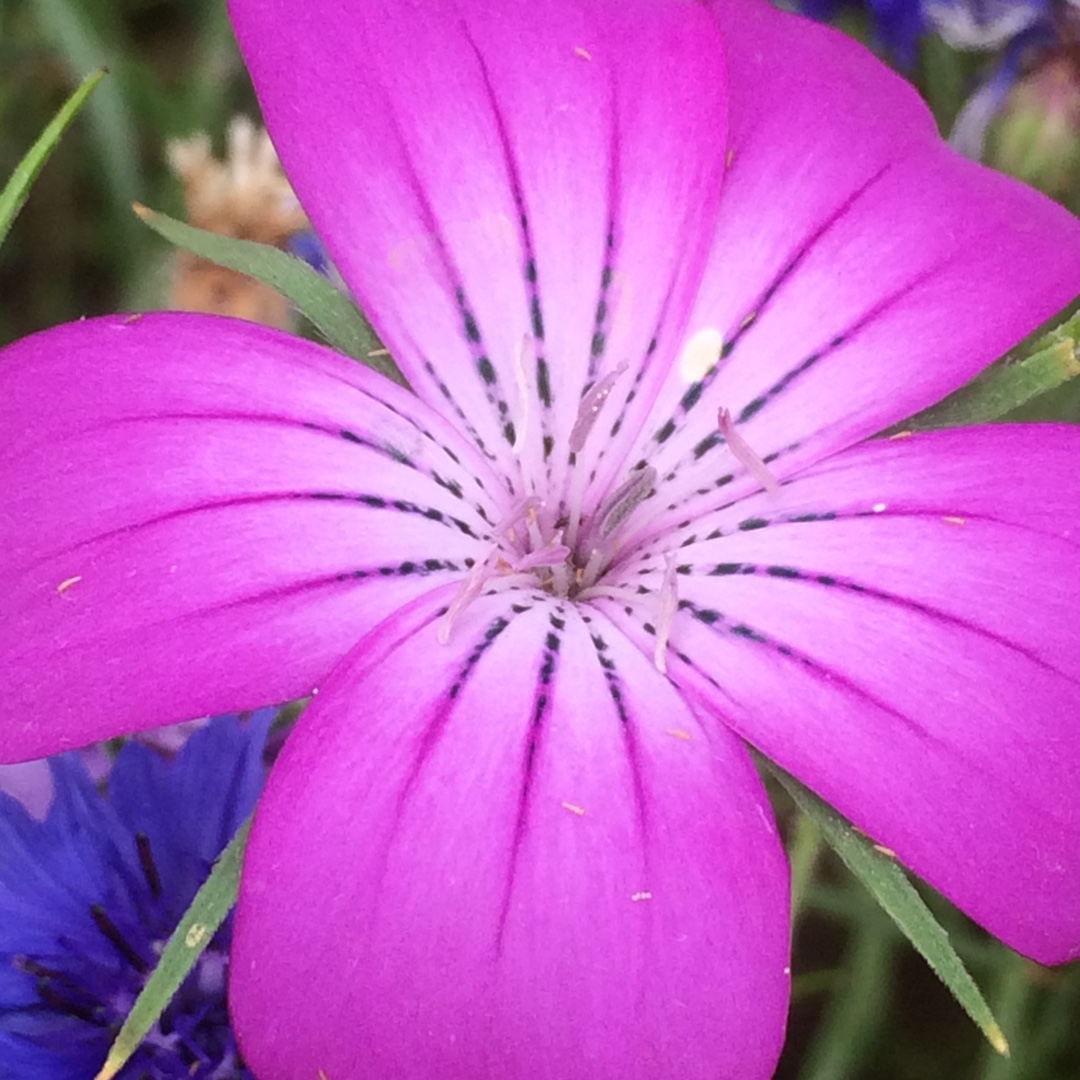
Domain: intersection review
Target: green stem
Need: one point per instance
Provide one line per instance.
(805, 848)
(856, 1011)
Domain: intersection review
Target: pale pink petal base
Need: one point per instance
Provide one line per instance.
(518, 855)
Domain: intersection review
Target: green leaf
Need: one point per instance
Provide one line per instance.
(193, 933)
(1009, 384)
(334, 315)
(17, 189)
(889, 885)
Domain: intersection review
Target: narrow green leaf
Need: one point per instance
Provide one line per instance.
(17, 189)
(334, 315)
(193, 933)
(891, 888)
(1052, 361)
(89, 36)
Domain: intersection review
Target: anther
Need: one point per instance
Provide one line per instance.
(625, 499)
(149, 867)
(110, 930)
(745, 454)
(590, 407)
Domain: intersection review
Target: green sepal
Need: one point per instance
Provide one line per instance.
(1008, 384)
(333, 314)
(17, 189)
(875, 867)
(212, 903)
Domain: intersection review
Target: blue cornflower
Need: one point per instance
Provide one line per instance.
(89, 896)
(897, 24)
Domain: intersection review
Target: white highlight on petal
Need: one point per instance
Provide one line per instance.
(642, 894)
(701, 354)
(879, 508)
(669, 606)
(746, 454)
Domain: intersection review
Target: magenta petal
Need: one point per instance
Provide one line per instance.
(481, 172)
(898, 629)
(201, 516)
(518, 855)
(861, 269)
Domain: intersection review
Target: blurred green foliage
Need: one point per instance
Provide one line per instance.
(865, 1007)
(78, 248)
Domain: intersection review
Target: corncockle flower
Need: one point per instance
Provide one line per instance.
(89, 895)
(541, 601)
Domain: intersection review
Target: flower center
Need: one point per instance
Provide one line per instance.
(548, 540)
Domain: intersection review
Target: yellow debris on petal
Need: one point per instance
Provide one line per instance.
(901, 435)
(885, 850)
(196, 935)
(583, 53)
(730, 158)
(678, 733)
(67, 583)
(955, 520)
(574, 808)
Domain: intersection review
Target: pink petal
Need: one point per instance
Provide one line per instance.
(185, 530)
(484, 172)
(31, 783)
(516, 855)
(899, 631)
(861, 269)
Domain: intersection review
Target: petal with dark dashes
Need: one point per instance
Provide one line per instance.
(898, 630)
(207, 516)
(520, 854)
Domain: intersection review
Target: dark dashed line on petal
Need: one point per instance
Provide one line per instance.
(694, 393)
(445, 706)
(530, 271)
(534, 736)
(598, 345)
(845, 584)
(380, 502)
(409, 568)
(433, 229)
(485, 369)
(617, 692)
(718, 623)
(459, 412)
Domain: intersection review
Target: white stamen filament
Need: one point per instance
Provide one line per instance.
(507, 526)
(665, 619)
(526, 351)
(746, 455)
(469, 591)
(553, 555)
